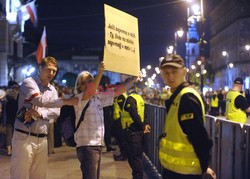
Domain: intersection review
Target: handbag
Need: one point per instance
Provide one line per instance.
(67, 118)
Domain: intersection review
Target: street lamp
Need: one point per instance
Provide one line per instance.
(202, 69)
(247, 47)
(202, 44)
(190, 21)
(198, 14)
(225, 54)
(178, 33)
(230, 65)
(170, 49)
(193, 67)
(150, 74)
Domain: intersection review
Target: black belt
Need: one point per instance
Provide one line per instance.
(31, 133)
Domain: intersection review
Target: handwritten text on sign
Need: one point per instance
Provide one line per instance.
(121, 50)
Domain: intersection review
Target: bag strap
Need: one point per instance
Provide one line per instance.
(82, 116)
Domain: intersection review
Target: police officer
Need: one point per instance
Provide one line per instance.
(214, 105)
(134, 126)
(236, 104)
(185, 145)
(117, 127)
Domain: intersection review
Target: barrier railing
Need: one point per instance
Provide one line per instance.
(230, 155)
(155, 116)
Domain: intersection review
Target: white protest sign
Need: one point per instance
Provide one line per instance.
(121, 49)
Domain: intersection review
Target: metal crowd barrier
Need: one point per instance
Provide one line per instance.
(230, 155)
(155, 116)
(246, 129)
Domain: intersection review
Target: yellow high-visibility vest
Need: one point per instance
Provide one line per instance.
(233, 113)
(126, 119)
(176, 153)
(116, 108)
(215, 102)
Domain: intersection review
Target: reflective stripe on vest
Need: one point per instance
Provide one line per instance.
(126, 119)
(176, 152)
(233, 113)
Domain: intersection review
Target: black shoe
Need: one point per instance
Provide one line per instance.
(110, 149)
(120, 158)
(114, 142)
(115, 156)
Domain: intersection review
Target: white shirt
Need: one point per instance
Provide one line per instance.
(91, 130)
(47, 103)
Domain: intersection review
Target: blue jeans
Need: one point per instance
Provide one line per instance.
(90, 159)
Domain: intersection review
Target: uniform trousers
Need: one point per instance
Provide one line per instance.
(167, 174)
(119, 134)
(135, 150)
(29, 156)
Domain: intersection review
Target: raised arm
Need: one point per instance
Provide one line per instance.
(93, 85)
(31, 94)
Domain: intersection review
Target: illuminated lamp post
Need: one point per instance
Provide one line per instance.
(247, 47)
(226, 55)
(202, 45)
(178, 33)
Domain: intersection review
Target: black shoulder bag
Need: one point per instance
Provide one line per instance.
(68, 125)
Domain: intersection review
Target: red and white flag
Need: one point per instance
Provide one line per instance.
(31, 9)
(41, 50)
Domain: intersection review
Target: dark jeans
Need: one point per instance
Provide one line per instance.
(214, 111)
(9, 134)
(167, 174)
(135, 149)
(222, 107)
(57, 134)
(90, 159)
(107, 125)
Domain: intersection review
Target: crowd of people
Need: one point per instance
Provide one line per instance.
(30, 118)
(218, 101)
(215, 101)
(34, 121)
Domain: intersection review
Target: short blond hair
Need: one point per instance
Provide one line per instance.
(78, 80)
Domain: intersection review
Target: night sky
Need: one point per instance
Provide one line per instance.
(79, 24)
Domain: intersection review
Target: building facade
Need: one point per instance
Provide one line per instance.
(17, 63)
(230, 33)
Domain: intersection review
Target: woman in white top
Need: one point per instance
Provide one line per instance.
(90, 135)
